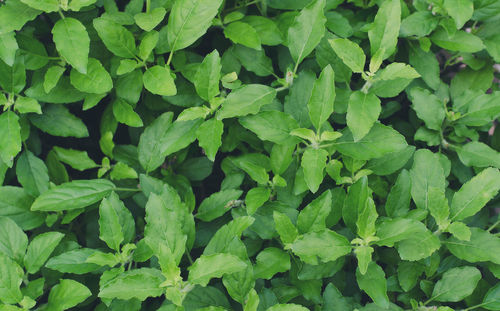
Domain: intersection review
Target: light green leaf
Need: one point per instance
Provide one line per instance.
(459, 230)
(380, 141)
(373, 283)
(491, 300)
(482, 246)
(12, 277)
(363, 111)
(207, 78)
(274, 126)
(393, 79)
(367, 215)
(138, 283)
(10, 137)
(76, 5)
(313, 216)
(314, 162)
(149, 149)
(40, 249)
(426, 172)
(32, 174)
(158, 80)
(26, 105)
(246, 100)
(364, 257)
(306, 31)
(456, 284)
(14, 14)
(148, 43)
(43, 5)
(474, 194)
(320, 104)
(320, 246)
(147, 21)
(15, 203)
(255, 198)
(74, 261)
(178, 136)
(478, 154)
(355, 201)
(13, 79)
(244, 34)
(350, 53)
(13, 241)
(385, 29)
(56, 120)
(287, 307)
(286, 230)
(429, 107)
(77, 159)
(270, 261)
(254, 60)
(72, 42)
(110, 228)
(124, 113)
(460, 10)
(122, 171)
(67, 294)
(115, 37)
(461, 41)
(267, 29)
(420, 24)
(207, 267)
(189, 20)
(398, 200)
(217, 204)
(209, 136)
(73, 195)
(8, 48)
(96, 80)
(438, 207)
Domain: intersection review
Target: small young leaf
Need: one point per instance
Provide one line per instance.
(350, 53)
(158, 80)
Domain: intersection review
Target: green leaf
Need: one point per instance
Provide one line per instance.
(274, 126)
(76, 5)
(26, 105)
(12, 277)
(313, 216)
(460, 231)
(460, 10)
(367, 215)
(178, 136)
(306, 31)
(14, 14)
(270, 261)
(158, 80)
(13, 79)
(165, 215)
(364, 256)
(115, 37)
(380, 141)
(122, 171)
(13, 241)
(398, 200)
(43, 5)
(207, 267)
(491, 300)
(217, 204)
(438, 207)
(408, 274)
(244, 34)
(461, 41)
(393, 79)
(56, 120)
(314, 162)
(478, 154)
(149, 149)
(73, 195)
(373, 283)
(355, 202)
(363, 111)
(67, 294)
(254, 60)
(189, 20)
(350, 53)
(385, 29)
(474, 194)
(8, 48)
(320, 246)
(246, 100)
(74, 261)
(456, 284)
(149, 20)
(72, 42)
(148, 43)
(286, 230)
(124, 113)
(320, 104)
(10, 137)
(15, 203)
(40, 249)
(255, 198)
(429, 107)
(482, 246)
(77, 159)
(208, 75)
(138, 283)
(209, 136)
(96, 80)
(267, 29)
(109, 222)
(287, 307)
(420, 24)
(426, 172)
(32, 174)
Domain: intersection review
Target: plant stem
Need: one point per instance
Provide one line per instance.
(170, 58)
(128, 189)
(148, 5)
(493, 225)
(61, 14)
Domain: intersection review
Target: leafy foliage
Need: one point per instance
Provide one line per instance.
(179, 155)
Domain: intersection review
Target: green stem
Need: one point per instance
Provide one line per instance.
(148, 5)
(170, 58)
(61, 14)
(475, 307)
(189, 257)
(282, 88)
(242, 6)
(493, 226)
(127, 189)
